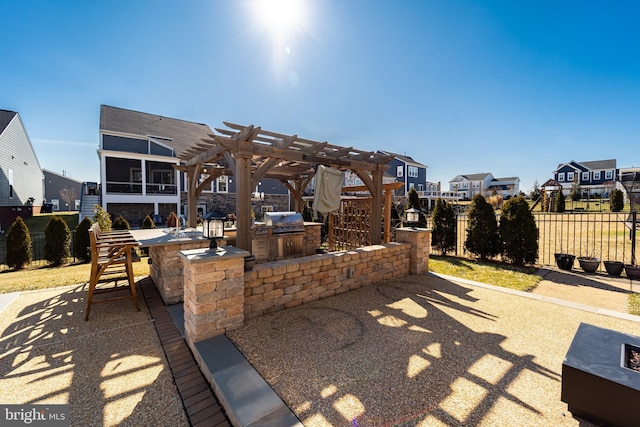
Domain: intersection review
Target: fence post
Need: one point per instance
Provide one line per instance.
(634, 217)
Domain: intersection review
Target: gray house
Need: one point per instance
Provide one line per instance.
(21, 186)
(61, 192)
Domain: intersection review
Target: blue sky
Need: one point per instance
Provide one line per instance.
(507, 87)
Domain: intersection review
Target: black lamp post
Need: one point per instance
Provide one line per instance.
(213, 227)
(413, 217)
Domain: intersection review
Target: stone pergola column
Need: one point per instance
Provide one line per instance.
(420, 240)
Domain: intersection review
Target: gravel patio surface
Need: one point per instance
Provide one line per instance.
(420, 351)
(110, 370)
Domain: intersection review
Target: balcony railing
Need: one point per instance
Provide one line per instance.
(127, 187)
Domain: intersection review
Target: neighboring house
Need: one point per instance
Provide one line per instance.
(595, 178)
(61, 192)
(138, 154)
(406, 170)
(484, 183)
(21, 186)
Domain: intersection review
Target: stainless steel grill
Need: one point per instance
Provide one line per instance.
(284, 222)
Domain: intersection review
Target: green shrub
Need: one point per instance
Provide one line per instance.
(81, 244)
(18, 242)
(483, 239)
(560, 202)
(518, 232)
(57, 241)
(443, 234)
(148, 222)
(120, 224)
(617, 200)
(102, 218)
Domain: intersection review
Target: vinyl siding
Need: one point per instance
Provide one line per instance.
(17, 155)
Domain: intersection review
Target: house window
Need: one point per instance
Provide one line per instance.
(221, 184)
(561, 176)
(399, 171)
(55, 204)
(570, 176)
(608, 175)
(209, 188)
(76, 205)
(420, 187)
(413, 172)
(585, 176)
(596, 175)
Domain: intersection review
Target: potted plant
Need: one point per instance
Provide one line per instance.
(589, 263)
(633, 271)
(564, 261)
(614, 268)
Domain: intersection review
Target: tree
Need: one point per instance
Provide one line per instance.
(576, 191)
(560, 202)
(57, 241)
(18, 244)
(535, 191)
(172, 220)
(617, 200)
(102, 218)
(81, 243)
(482, 231)
(68, 195)
(518, 232)
(443, 235)
(120, 223)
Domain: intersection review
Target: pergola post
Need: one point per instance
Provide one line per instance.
(243, 196)
(376, 214)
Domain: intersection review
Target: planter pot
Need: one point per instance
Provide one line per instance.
(589, 264)
(633, 271)
(564, 261)
(614, 268)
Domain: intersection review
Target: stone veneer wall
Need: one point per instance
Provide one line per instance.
(166, 269)
(282, 284)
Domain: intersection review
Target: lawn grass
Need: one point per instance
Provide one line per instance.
(494, 273)
(634, 304)
(50, 277)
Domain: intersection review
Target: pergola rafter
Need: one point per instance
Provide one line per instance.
(251, 153)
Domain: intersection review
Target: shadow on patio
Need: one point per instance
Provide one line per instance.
(418, 350)
(109, 370)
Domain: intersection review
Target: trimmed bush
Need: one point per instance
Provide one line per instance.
(518, 232)
(57, 241)
(102, 218)
(81, 244)
(483, 239)
(617, 201)
(148, 222)
(560, 202)
(18, 244)
(120, 224)
(443, 234)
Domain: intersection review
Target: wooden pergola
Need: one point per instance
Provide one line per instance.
(250, 154)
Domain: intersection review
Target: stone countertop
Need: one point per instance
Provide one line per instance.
(201, 255)
(162, 236)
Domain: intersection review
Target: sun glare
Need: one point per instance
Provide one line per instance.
(280, 16)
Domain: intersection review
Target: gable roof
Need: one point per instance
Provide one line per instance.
(183, 134)
(5, 118)
(592, 165)
(48, 171)
(405, 159)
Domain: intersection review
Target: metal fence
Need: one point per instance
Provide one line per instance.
(37, 250)
(604, 235)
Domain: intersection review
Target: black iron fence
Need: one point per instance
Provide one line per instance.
(37, 250)
(604, 235)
